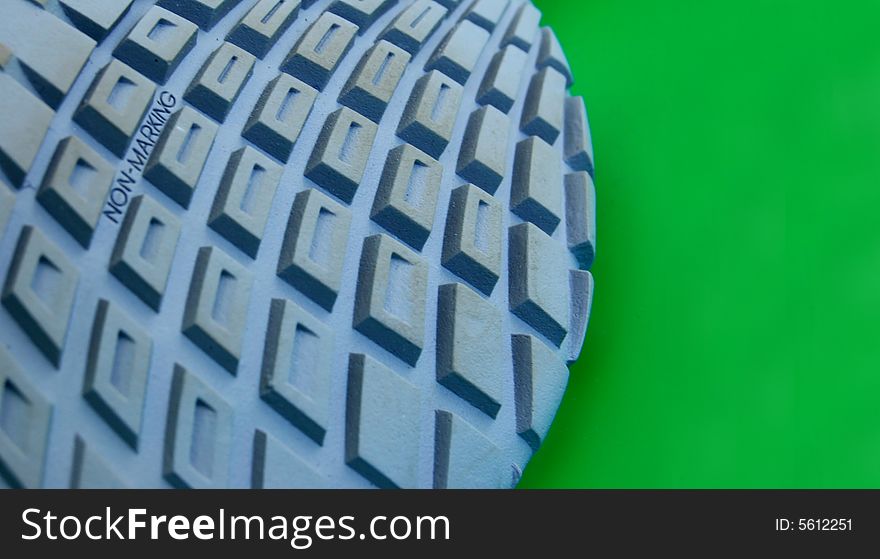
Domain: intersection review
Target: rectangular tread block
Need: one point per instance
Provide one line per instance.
(95, 18)
(470, 345)
(244, 199)
(537, 191)
(406, 200)
(545, 104)
(390, 300)
(25, 416)
(260, 28)
(117, 369)
(217, 305)
(313, 252)
(483, 156)
(297, 362)
(382, 414)
(340, 156)
(177, 161)
(430, 113)
(276, 122)
(361, 12)
(582, 284)
(500, 86)
(144, 249)
(551, 55)
(487, 13)
(460, 51)
(75, 188)
(415, 25)
(7, 204)
(540, 378)
(374, 81)
(218, 84)
(275, 466)
(90, 471)
(157, 44)
(580, 211)
(197, 434)
(204, 13)
(578, 143)
(464, 458)
(24, 121)
(115, 105)
(539, 281)
(39, 291)
(524, 28)
(51, 52)
(320, 50)
(472, 244)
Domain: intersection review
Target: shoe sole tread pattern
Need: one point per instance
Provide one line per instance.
(330, 252)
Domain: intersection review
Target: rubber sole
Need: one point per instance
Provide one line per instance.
(273, 243)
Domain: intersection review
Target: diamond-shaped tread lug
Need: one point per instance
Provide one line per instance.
(275, 466)
(483, 156)
(415, 25)
(551, 54)
(339, 159)
(24, 121)
(524, 28)
(374, 81)
(390, 300)
(539, 281)
(381, 424)
(578, 144)
(458, 54)
(197, 434)
(464, 458)
(157, 44)
(95, 18)
(259, 30)
(320, 50)
(24, 426)
(487, 13)
(75, 188)
(244, 199)
(540, 378)
(176, 162)
(115, 105)
(470, 346)
(279, 117)
(313, 252)
(500, 86)
(537, 191)
(117, 369)
(218, 84)
(145, 248)
(472, 244)
(582, 287)
(216, 307)
(39, 291)
(406, 200)
(204, 13)
(297, 368)
(90, 471)
(580, 210)
(51, 52)
(545, 104)
(430, 113)
(361, 12)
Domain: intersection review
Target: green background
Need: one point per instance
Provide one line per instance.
(735, 337)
